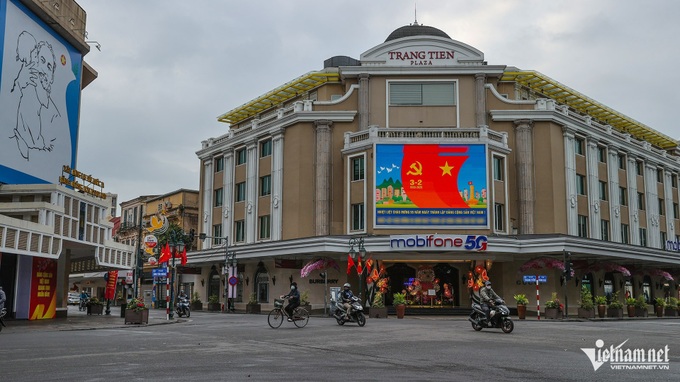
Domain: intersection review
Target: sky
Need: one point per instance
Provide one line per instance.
(168, 68)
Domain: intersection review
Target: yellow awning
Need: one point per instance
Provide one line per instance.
(570, 97)
(279, 95)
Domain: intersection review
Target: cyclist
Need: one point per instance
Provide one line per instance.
(293, 300)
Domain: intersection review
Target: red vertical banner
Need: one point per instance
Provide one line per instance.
(43, 289)
(110, 292)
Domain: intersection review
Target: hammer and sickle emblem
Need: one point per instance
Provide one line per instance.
(417, 169)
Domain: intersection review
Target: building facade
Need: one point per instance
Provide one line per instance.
(440, 170)
(53, 218)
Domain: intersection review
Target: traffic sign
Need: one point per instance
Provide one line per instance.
(542, 279)
(233, 280)
(530, 279)
(159, 272)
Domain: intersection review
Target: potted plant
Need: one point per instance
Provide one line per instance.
(601, 302)
(214, 303)
(671, 307)
(586, 306)
(253, 306)
(641, 306)
(630, 305)
(399, 303)
(94, 306)
(304, 301)
(136, 312)
(522, 301)
(196, 303)
(615, 307)
(660, 304)
(378, 308)
(553, 307)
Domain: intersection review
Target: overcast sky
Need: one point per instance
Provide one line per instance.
(168, 68)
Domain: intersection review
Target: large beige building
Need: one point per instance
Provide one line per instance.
(440, 166)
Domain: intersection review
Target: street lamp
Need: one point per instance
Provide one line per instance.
(359, 242)
(177, 246)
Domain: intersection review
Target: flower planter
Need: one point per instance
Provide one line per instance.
(253, 308)
(671, 312)
(136, 316)
(631, 311)
(377, 312)
(214, 307)
(95, 309)
(196, 306)
(601, 309)
(586, 313)
(641, 312)
(615, 312)
(659, 311)
(401, 310)
(552, 313)
(522, 311)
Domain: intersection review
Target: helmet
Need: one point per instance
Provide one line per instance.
(346, 285)
(293, 284)
(487, 283)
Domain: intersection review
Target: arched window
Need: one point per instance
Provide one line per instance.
(214, 282)
(261, 283)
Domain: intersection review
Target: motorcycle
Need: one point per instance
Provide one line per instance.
(83, 304)
(182, 307)
(357, 314)
(499, 316)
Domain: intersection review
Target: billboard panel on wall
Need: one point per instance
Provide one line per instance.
(431, 185)
(40, 76)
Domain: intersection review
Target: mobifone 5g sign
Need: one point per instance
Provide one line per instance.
(620, 358)
(439, 242)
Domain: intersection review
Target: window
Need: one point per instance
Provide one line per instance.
(659, 175)
(623, 196)
(422, 94)
(622, 161)
(662, 207)
(663, 240)
(604, 229)
(265, 185)
(265, 148)
(676, 211)
(641, 201)
(218, 198)
(240, 231)
(240, 156)
(643, 237)
(601, 154)
(217, 234)
(498, 168)
(357, 217)
(674, 181)
(582, 226)
(638, 167)
(603, 190)
(578, 146)
(219, 164)
(358, 168)
(499, 216)
(625, 234)
(580, 184)
(240, 191)
(265, 229)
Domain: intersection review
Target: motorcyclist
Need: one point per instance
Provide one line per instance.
(293, 300)
(346, 297)
(487, 298)
(83, 299)
(182, 295)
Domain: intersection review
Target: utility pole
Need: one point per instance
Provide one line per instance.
(567, 277)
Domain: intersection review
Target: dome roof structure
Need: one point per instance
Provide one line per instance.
(415, 29)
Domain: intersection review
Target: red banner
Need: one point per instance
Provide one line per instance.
(43, 289)
(110, 292)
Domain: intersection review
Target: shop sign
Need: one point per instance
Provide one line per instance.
(673, 245)
(322, 281)
(439, 242)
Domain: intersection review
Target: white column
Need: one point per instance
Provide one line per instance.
(525, 174)
(593, 189)
(570, 173)
(322, 175)
(277, 186)
(614, 202)
(480, 100)
(652, 206)
(228, 189)
(206, 223)
(252, 184)
(364, 104)
(634, 234)
(668, 202)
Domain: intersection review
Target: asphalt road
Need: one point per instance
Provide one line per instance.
(240, 347)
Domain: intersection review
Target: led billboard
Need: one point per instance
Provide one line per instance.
(431, 185)
(40, 76)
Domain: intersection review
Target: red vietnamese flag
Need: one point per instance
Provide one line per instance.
(184, 256)
(165, 254)
(368, 265)
(359, 267)
(350, 263)
(430, 175)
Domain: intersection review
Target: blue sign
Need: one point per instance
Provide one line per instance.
(159, 272)
(542, 279)
(530, 279)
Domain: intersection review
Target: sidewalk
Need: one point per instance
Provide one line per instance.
(79, 320)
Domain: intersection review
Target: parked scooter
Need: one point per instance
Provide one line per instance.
(182, 307)
(499, 317)
(357, 314)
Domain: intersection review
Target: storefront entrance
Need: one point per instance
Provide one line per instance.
(425, 285)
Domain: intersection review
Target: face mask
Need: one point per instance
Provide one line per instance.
(488, 287)
(292, 287)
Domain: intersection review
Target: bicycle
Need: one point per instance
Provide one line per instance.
(275, 317)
